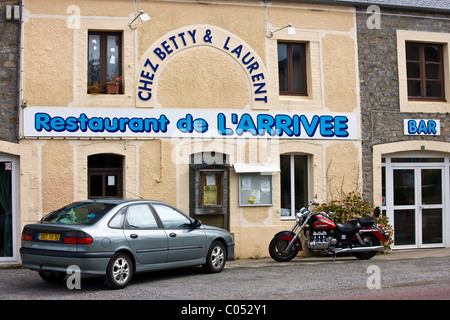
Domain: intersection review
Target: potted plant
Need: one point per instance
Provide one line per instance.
(112, 84)
(94, 88)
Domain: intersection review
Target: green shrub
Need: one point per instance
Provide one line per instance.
(352, 207)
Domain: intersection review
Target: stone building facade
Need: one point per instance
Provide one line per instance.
(394, 160)
(9, 110)
(9, 72)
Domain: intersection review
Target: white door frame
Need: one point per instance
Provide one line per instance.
(418, 206)
(15, 209)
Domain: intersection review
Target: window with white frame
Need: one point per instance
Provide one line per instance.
(423, 71)
(294, 183)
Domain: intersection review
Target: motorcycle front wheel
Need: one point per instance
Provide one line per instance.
(277, 251)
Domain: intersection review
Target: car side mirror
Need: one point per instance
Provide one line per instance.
(196, 224)
(376, 212)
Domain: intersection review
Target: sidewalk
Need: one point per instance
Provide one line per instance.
(393, 255)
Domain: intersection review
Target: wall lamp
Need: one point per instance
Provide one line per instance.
(144, 18)
(290, 30)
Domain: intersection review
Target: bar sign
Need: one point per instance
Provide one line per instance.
(421, 127)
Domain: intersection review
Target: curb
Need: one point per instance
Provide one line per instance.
(398, 254)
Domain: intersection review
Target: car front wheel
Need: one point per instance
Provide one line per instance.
(119, 271)
(216, 258)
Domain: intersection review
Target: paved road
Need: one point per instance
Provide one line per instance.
(419, 274)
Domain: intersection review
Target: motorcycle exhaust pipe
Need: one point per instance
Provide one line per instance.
(359, 249)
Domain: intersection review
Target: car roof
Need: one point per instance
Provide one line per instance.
(118, 201)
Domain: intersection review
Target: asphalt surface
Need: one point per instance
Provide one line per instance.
(404, 275)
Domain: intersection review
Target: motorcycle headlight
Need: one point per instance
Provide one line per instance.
(299, 217)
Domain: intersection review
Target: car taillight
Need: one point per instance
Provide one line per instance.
(77, 237)
(26, 234)
(27, 237)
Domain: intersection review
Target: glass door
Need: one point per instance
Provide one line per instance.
(404, 207)
(418, 206)
(431, 206)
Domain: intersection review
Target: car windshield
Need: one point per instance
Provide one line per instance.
(79, 213)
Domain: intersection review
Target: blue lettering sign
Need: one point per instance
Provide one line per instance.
(173, 43)
(224, 124)
(425, 127)
(189, 124)
(45, 122)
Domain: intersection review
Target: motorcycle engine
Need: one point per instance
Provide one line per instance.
(321, 240)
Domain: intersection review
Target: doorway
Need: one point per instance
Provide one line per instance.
(209, 189)
(416, 201)
(105, 176)
(8, 209)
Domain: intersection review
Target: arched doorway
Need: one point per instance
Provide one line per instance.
(105, 176)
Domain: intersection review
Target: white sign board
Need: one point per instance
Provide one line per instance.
(421, 127)
(150, 123)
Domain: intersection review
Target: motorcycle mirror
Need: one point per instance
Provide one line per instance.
(376, 212)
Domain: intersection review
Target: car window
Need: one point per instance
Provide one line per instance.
(140, 216)
(171, 218)
(116, 221)
(79, 213)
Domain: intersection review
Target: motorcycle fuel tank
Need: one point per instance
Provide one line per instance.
(323, 223)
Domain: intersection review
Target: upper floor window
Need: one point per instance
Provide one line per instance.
(105, 59)
(424, 71)
(292, 68)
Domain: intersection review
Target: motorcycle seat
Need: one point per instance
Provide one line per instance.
(366, 221)
(350, 227)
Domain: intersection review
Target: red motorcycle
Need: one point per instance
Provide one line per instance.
(361, 237)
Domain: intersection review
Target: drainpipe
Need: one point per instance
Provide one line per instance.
(20, 102)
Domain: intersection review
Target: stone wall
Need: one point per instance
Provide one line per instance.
(382, 121)
(9, 64)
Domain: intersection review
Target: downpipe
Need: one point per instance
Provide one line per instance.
(358, 249)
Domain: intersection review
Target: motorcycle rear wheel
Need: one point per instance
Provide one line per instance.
(370, 241)
(277, 250)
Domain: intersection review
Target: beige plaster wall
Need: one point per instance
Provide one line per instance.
(57, 174)
(215, 81)
(200, 77)
(157, 172)
(106, 8)
(311, 16)
(245, 19)
(340, 69)
(49, 79)
(342, 169)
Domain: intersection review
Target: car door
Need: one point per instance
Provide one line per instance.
(144, 235)
(185, 242)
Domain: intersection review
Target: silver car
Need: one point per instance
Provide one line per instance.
(116, 238)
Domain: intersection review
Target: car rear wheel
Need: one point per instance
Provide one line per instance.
(216, 258)
(119, 271)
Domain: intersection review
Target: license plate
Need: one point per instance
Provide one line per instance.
(49, 236)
